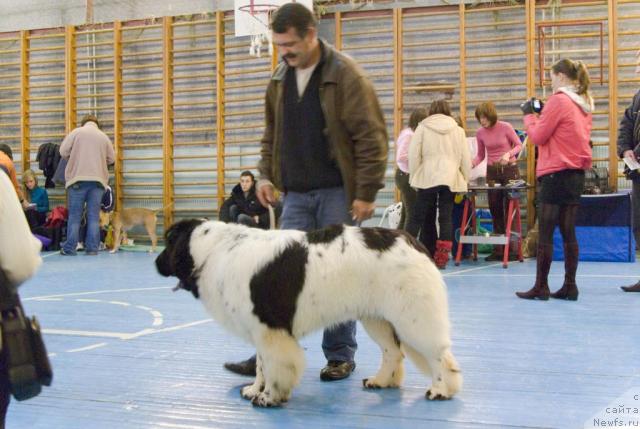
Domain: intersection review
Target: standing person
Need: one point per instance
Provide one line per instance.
(34, 195)
(89, 151)
(629, 147)
(6, 162)
(439, 166)
(325, 147)
(19, 260)
(407, 193)
(561, 134)
(499, 143)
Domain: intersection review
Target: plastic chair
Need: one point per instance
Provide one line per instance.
(392, 213)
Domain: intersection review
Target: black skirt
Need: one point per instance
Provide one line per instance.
(562, 187)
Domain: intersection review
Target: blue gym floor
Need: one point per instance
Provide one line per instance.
(128, 352)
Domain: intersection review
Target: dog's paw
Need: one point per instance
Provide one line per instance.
(265, 400)
(113, 251)
(436, 394)
(371, 383)
(375, 383)
(251, 391)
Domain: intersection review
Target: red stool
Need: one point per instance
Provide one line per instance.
(469, 216)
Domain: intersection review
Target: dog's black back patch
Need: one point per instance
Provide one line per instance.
(380, 239)
(325, 235)
(276, 287)
(411, 240)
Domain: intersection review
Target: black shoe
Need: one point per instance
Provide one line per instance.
(337, 370)
(246, 367)
(632, 288)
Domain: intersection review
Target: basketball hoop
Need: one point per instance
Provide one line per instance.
(253, 19)
(258, 26)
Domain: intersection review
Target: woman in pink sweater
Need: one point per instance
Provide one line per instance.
(561, 133)
(499, 141)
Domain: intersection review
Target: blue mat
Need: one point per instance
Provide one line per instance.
(603, 229)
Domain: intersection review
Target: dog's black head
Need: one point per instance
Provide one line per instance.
(175, 259)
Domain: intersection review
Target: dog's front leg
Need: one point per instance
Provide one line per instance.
(253, 390)
(116, 239)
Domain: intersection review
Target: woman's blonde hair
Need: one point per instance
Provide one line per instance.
(26, 175)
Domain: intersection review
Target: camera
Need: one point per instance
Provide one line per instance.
(27, 361)
(536, 104)
(532, 105)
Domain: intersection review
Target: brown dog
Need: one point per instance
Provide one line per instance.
(125, 219)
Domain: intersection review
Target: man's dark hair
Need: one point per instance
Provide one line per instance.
(293, 15)
(89, 118)
(7, 150)
(248, 173)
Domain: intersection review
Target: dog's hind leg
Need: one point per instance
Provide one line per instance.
(433, 359)
(282, 367)
(251, 391)
(116, 239)
(391, 370)
(150, 226)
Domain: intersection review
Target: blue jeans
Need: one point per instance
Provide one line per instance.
(313, 210)
(77, 195)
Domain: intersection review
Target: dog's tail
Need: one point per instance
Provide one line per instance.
(155, 211)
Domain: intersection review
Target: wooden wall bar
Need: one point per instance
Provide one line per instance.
(183, 101)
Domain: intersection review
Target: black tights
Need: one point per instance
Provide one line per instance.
(562, 215)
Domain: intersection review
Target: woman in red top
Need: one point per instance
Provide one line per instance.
(502, 145)
(561, 133)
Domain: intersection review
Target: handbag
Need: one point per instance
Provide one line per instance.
(21, 342)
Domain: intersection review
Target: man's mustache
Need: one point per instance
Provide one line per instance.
(289, 56)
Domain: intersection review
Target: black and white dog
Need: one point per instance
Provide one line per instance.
(273, 287)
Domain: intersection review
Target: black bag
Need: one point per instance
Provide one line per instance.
(57, 234)
(27, 362)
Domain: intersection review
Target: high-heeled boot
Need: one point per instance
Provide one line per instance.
(569, 289)
(441, 257)
(540, 289)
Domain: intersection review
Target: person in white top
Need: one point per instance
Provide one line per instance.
(407, 193)
(439, 166)
(19, 260)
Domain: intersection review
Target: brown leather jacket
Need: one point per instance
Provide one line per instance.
(355, 126)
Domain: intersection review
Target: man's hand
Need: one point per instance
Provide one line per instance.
(265, 194)
(362, 210)
(628, 154)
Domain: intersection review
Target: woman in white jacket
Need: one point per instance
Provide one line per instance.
(439, 166)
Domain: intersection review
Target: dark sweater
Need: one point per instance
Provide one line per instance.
(306, 161)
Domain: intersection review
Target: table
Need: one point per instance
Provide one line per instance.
(514, 224)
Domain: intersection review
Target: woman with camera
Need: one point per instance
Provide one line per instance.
(561, 132)
(501, 144)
